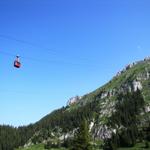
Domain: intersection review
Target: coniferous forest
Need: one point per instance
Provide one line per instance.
(75, 74)
(126, 120)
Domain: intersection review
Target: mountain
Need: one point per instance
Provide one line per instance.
(118, 114)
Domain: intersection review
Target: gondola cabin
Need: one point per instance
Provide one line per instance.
(17, 63)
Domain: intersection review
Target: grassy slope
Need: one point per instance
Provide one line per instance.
(34, 147)
(127, 76)
(138, 146)
(39, 147)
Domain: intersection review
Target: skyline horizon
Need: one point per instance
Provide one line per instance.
(137, 61)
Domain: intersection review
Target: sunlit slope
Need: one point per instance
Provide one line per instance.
(120, 105)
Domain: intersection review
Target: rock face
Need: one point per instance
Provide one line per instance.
(137, 85)
(104, 95)
(73, 100)
(125, 69)
(147, 58)
(103, 132)
(147, 108)
(132, 65)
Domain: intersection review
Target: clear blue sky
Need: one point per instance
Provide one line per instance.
(81, 45)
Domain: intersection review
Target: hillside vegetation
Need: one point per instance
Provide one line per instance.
(118, 115)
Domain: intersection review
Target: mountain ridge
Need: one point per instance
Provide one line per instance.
(122, 74)
(125, 98)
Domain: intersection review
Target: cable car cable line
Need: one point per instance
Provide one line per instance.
(27, 42)
(34, 45)
(44, 60)
(92, 66)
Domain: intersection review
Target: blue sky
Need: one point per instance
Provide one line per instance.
(67, 48)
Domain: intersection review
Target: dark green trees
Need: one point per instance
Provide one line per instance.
(127, 119)
(82, 138)
(11, 137)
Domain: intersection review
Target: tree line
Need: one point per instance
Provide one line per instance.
(126, 121)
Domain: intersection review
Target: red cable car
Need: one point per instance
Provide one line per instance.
(17, 63)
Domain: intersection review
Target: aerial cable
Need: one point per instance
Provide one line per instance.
(50, 61)
(34, 45)
(27, 42)
(43, 60)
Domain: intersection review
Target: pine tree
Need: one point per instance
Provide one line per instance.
(82, 137)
